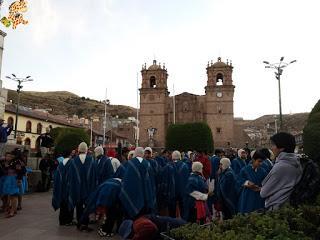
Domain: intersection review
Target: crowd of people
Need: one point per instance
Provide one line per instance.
(13, 181)
(144, 193)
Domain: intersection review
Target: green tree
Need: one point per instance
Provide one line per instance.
(189, 136)
(311, 133)
(68, 139)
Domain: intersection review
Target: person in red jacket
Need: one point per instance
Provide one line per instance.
(204, 159)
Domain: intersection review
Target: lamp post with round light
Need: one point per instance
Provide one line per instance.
(279, 70)
(19, 87)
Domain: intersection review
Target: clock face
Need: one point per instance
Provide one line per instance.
(219, 94)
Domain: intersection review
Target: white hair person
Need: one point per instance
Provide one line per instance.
(98, 151)
(176, 155)
(139, 152)
(225, 163)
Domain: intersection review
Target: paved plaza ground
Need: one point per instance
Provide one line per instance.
(38, 221)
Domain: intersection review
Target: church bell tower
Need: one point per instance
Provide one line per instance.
(219, 102)
(153, 111)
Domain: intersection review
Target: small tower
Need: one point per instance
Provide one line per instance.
(219, 102)
(153, 111)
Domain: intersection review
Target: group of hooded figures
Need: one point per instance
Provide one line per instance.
(146, 195)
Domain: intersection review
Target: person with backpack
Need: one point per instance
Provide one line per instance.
(285, 174)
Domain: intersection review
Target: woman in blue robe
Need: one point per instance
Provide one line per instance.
(227, 189)
(250, 179)
(82, 181)
(195, 185)
(60, 194)
(137, 194)
(239, 162)
(104, 166)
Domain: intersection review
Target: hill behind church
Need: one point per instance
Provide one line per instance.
(67, 103)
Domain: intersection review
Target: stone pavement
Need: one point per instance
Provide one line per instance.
(38, 221)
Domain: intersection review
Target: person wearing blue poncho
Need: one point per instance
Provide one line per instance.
(181, 176)
(163, 159)
(227, 189)
(187, 160)
(104, 166)
(155, 169)
(215, 164)
(123, 167)
(137, 193)
(196, 193)
(105, 200)
(239, 162)
(166, 188)
(267, 164)
(82, 181)
(250, 180)
(60, 194)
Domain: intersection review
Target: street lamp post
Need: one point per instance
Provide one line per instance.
(279, 70)
(19, 87)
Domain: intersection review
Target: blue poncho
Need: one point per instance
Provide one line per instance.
(181, 178)
(266, 165)
(215, 163)
(105, 169)
(121, 170)
(250, 200)
(167, 185)
(237, 164)
(82, 180)
(137, 192)
(228, 190)
(106, 195)
(195, 183)
(60, 185)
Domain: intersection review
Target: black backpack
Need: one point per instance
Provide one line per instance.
(307, 189)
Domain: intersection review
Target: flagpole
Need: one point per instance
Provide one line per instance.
(105, 119)
(137, 130)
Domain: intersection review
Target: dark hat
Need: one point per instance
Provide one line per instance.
(125, 229)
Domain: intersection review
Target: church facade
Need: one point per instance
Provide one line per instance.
(158, 110)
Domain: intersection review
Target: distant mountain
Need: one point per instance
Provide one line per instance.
(291, 122)
(67, 103)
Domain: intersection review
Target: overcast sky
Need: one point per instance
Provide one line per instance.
(86, 46)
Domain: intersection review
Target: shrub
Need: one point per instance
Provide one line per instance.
(311, 133)
(286, 223)
(68, 139)
(190, 136)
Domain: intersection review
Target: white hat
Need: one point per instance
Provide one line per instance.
(225, 162)
(98, 151)
(148, 149)
(197, 167)
(240, 151)
(83, 147)
(131, 153)
(176, 155)
(115, 164)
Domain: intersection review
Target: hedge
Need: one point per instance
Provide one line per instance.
(68, 139)
(311, 133)
(286, 223)
(189, 136)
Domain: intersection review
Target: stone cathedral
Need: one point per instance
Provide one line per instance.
(215, 107)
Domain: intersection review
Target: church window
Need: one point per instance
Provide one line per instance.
(153, 82)
(219, 130)
(219, 79)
